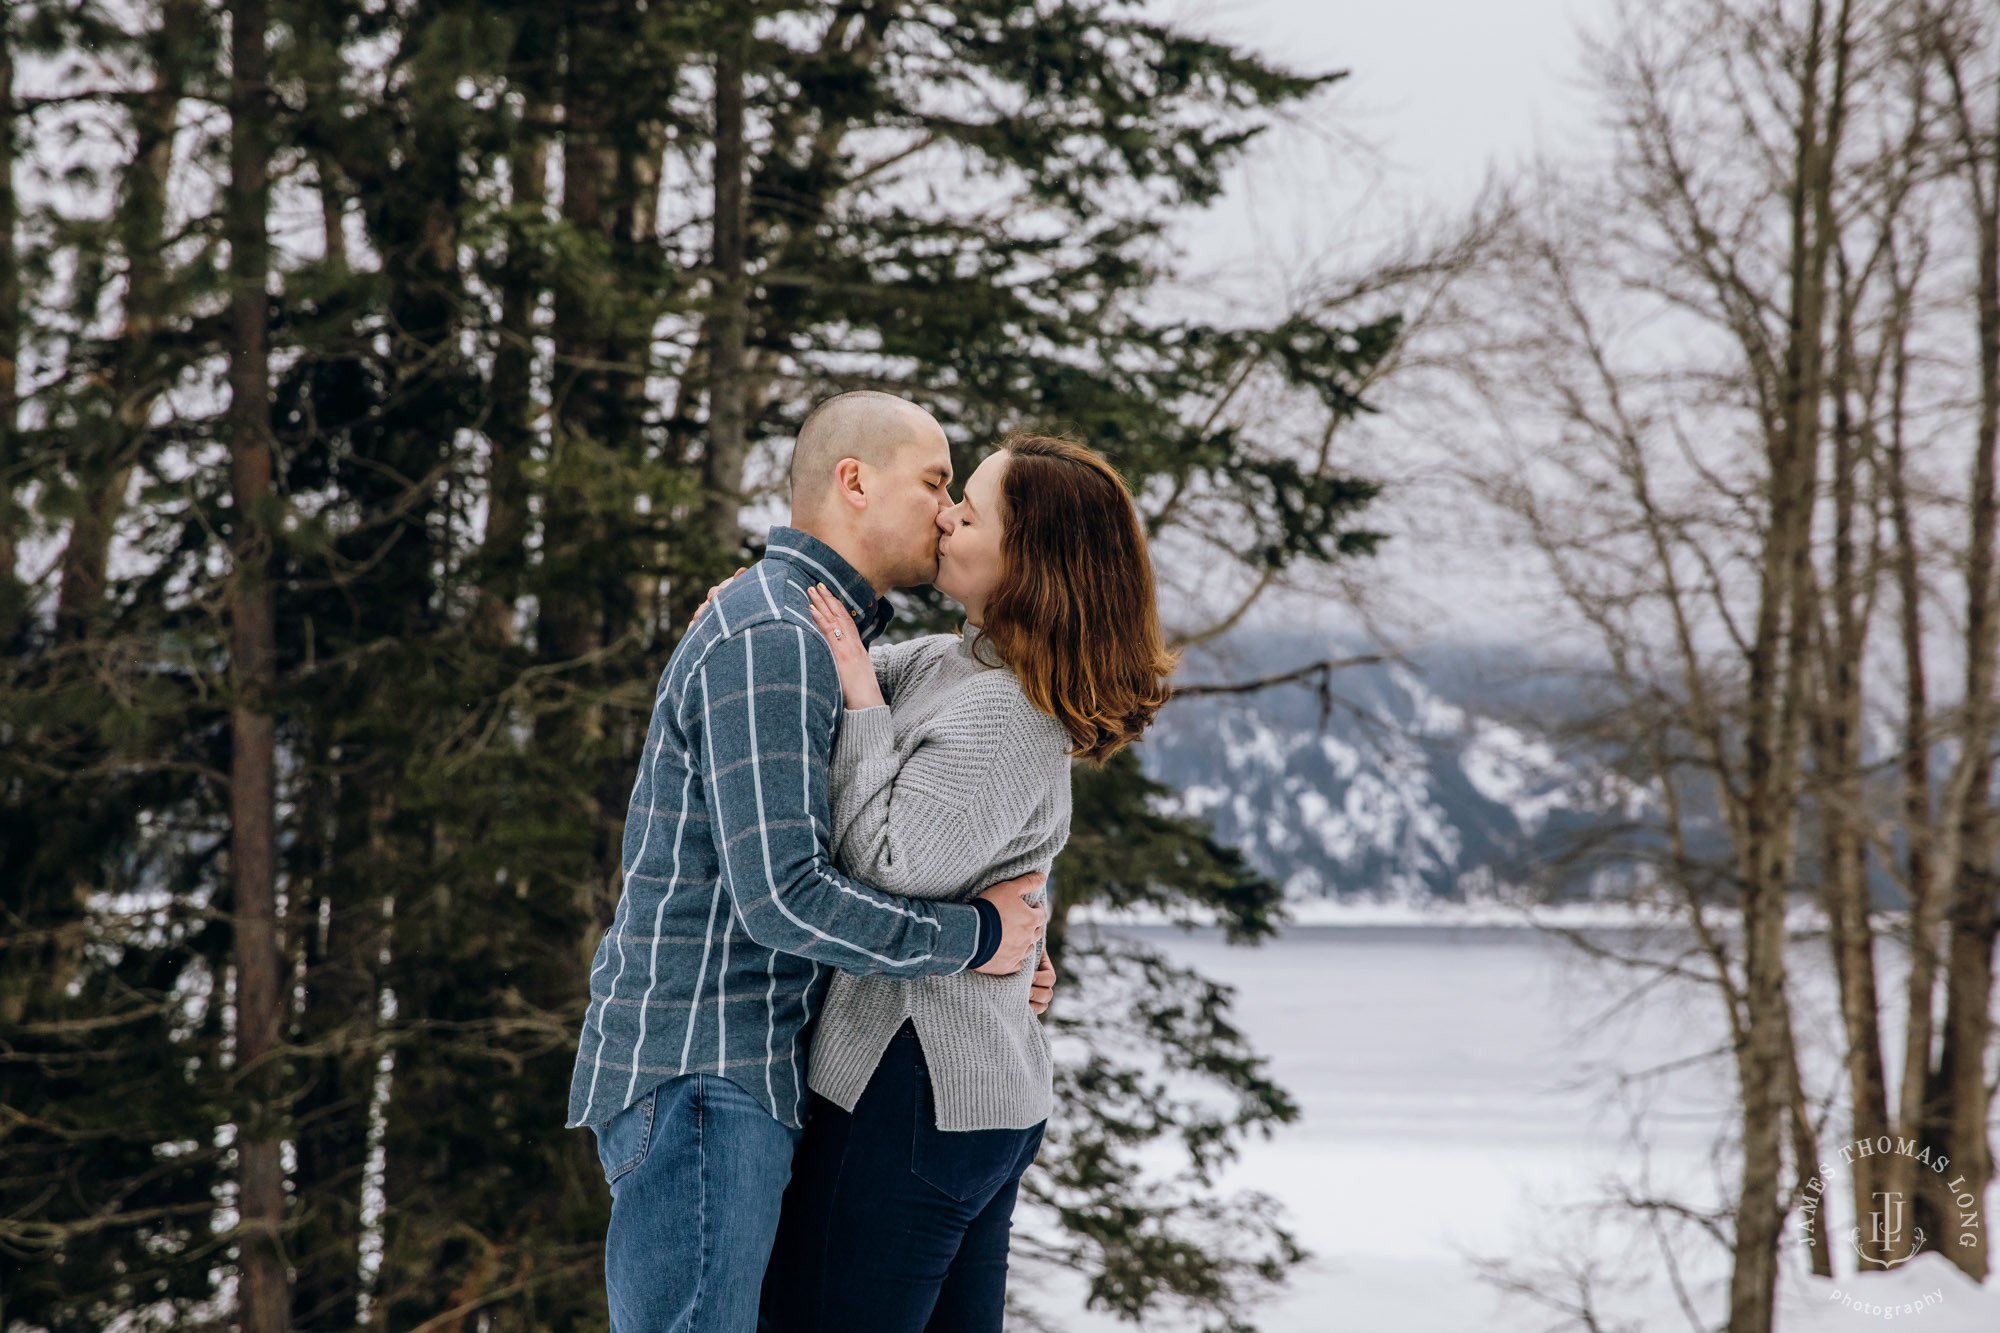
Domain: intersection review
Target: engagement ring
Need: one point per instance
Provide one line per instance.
(838, 635)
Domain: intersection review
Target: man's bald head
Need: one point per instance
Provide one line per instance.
(865, 425)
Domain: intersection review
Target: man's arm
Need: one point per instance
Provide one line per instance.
(761, 710)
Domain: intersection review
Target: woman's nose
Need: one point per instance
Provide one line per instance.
(946, 520)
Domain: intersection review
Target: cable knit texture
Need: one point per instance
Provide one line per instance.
(958, 783)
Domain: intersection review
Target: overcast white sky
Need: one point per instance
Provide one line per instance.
(1440, 95)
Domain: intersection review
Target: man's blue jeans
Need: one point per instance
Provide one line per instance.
(697, 1172)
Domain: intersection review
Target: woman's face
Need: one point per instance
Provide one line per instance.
(969, 549)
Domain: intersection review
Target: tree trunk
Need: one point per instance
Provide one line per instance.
(332, 212)
(583, 341)
(722, 465)
(1975, 900)
(12, 602)
(1775, 693)
(1805, 1149)
(265, 1297)
(503, 547)
(602, 324)
(86, 555)
(1844, 891)
(1913, 1116)
(142, 372)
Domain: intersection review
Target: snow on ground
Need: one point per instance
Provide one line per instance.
(1463, 1100)
(1929, 1290)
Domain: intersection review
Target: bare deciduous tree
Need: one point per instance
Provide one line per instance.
(1739, 369)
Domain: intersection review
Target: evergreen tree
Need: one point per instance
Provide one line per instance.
(116, 1081)
(551, 286)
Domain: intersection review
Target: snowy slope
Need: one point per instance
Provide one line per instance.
(1419, 784)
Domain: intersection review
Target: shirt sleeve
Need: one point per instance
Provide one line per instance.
(927, 821)
(763, 712)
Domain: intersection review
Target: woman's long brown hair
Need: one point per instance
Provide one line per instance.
(1074, 613)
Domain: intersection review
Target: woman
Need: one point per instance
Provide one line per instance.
(950, 773)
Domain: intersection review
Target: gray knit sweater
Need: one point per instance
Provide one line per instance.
(957, 784)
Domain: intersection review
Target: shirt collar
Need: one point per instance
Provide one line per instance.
(820, 563)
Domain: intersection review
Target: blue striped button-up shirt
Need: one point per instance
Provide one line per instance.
(731, 913)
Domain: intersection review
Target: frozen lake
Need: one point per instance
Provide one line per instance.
(1467, 1093)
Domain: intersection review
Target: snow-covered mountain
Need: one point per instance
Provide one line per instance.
(1419, 782)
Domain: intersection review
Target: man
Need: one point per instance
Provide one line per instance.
(691, 1067)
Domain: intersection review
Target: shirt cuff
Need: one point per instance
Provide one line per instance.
(989, 934)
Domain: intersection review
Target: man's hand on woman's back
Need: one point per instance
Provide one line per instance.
(1021, 922)
(711, 594)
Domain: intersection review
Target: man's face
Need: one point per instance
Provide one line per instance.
(906, 496)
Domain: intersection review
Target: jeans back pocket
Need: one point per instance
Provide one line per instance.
(962, 1164)
(622, 1141)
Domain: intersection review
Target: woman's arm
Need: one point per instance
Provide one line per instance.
(893, 662)
(926, 825)
(914, 821)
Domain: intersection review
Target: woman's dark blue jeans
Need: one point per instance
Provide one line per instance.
(892, 1225)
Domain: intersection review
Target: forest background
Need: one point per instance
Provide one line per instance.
(384, 384)
(381, 384)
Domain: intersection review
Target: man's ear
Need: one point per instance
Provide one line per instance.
(849, 485)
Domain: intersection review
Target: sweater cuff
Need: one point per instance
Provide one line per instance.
(864, 732)
(989, 934)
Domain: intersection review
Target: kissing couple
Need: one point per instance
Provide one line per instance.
(813, 1057)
